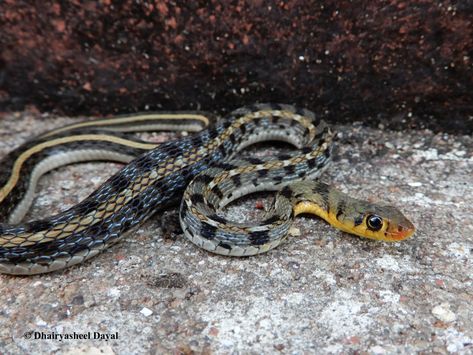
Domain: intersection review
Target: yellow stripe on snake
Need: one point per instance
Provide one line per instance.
(202, 165)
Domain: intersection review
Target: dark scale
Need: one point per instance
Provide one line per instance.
(183, 210)
(270, 220)
(284, 157)
(38, 225)
(254, 161)
(358, 220)
(262, 173)
(341, 208)
(259, 237)
(197, 198)
(217, 218)
(217, 191)
(286, 192)
(311, 163)
(290, 169)
(236, 180)
(224, 246)
(207, 231)
(306, 150)
(204, 179)
(225, 165)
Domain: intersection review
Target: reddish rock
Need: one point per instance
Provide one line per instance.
(405, 63)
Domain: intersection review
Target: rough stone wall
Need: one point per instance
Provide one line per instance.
(405, 63)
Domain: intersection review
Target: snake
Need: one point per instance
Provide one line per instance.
(202, 169)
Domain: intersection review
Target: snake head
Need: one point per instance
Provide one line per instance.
(362, 218)
(384, 223)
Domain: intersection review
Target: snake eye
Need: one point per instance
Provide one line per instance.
(374, 222)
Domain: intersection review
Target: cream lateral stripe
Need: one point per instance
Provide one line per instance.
(15, 174)
(130, 119)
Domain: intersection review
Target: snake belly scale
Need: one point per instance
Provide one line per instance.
(202, 164)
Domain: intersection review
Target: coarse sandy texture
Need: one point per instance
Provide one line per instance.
(322, 291)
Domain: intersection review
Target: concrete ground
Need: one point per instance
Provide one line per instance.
(324, 291)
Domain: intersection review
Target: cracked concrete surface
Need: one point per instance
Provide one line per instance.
(323, 291)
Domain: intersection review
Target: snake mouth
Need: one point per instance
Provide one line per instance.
(402, 232)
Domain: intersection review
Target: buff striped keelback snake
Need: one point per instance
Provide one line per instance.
(201, 165)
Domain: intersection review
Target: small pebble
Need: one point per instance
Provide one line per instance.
(41, 323)
(259, 205)
(146, 312)
(377, 350)
(67, 185)
(443, 313)
(295, 232)
(414, 184)
(114, 292)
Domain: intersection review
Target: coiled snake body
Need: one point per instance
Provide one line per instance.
(202, 165)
